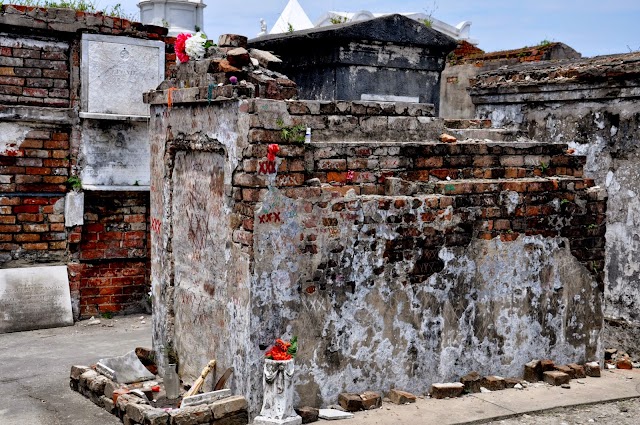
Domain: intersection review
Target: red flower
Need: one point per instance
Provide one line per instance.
(272, 150)
(283, 350)
(179, 47)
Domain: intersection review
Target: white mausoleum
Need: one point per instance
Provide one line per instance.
(178, 15)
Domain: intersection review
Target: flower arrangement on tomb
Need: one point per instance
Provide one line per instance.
(191, 46)
(283, 350)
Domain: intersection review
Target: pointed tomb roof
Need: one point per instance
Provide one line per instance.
(293, 16)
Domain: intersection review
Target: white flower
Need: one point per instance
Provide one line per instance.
(194, 46)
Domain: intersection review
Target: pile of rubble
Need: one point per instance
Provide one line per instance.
(614, 358)
(146, 402)
(229, 70)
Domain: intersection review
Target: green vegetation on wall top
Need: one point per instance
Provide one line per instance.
(79, 5)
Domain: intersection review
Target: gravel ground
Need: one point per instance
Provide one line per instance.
(618, 413)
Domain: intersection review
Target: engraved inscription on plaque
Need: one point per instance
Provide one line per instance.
(116, 71)
(34, 298)
(116, 154)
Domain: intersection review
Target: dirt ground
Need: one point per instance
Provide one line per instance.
(618, 413)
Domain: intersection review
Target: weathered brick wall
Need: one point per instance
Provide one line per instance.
(34, 72)
(372, 242)
(110, 252)
(33, 173)
(476, 174)
(40, 137)
(592, 105)
(465, 64)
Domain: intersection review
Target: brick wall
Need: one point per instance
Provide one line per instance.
(110, 251)
(374, 236)
(33, 72)
(466, 179)
(107, 257)
(33, 172)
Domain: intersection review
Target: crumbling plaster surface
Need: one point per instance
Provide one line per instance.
(200, 278)
(11, 137)
(610, 137)
(490, 308)
(373, 308)
(602, 121)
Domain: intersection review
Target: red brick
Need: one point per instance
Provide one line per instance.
(12, 81)
(60, 136)
(27, 237)
(55, 179)
(7, 200)
(35, 218)
(20, 179)
(56, 144)
(7, 219)
(337, 177)
(135, 235)
(42, 246)
(134, 218)
(38, 170)
(36, 201)
(34, 92)
(35, 228)
(56, 162)
(31, 144)
(110, 290)
(10, 228)
(94, 227)
(90, 254)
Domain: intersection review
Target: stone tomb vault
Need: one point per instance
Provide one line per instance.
(389, 274)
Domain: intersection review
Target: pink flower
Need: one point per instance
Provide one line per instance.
(233, 80)
(179, 47)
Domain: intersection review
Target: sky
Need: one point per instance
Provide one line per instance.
(589, 26)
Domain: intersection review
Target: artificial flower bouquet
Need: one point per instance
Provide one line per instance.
(191, 46)
(283, 350)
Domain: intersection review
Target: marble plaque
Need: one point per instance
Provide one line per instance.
(115, 154)
(116, 71)
(34, 298)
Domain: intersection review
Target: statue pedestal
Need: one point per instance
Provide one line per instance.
(277, 403)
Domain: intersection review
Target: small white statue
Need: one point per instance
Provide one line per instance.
(277, 405)
(263, 27)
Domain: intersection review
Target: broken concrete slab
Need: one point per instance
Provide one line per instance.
(34, 298)
(127, 369)
(333, 414)
(206, 398)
